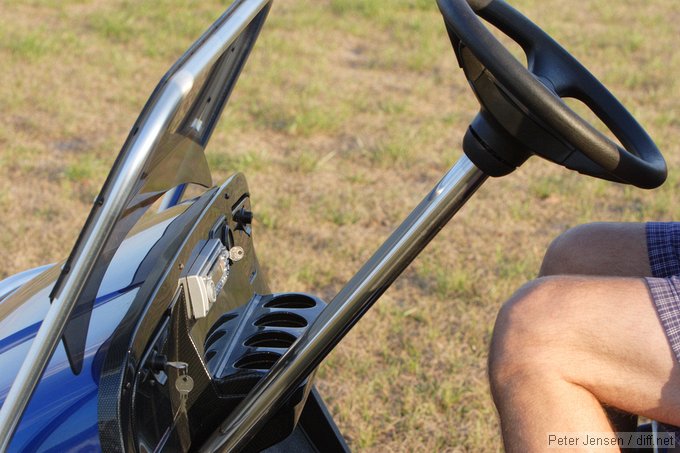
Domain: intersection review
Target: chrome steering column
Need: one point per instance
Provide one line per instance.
(348, 306)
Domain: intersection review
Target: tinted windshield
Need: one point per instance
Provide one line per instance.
(165, 149)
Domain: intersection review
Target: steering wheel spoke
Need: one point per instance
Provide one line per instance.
(556, 77)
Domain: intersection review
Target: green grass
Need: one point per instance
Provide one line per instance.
(247, 161)
(347, 114)
(30, 46)
(82, 170)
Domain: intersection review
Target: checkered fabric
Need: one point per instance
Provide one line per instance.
(666, 295)
(663, 248)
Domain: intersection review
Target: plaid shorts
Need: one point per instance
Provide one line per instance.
(663, 248)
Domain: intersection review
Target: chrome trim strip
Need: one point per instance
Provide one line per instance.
(121, 187)
(348, 306)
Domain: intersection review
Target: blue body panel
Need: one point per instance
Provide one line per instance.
(62, 414)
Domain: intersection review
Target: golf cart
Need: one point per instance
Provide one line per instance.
(159, 331)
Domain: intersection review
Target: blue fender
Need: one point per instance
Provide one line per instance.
(62, 414)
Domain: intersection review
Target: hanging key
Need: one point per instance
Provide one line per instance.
(184, 384)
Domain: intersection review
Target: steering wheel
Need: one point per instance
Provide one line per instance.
(522, 111)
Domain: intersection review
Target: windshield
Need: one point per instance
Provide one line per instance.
(164, 150)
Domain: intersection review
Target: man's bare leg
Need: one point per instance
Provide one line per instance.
(602, 248)
(605, 248)
(563, 346)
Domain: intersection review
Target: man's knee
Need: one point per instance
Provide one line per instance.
(565, 254)
(577, 332)
(524, 343)
(602, 248)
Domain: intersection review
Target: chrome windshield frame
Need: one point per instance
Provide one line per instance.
(119, 188)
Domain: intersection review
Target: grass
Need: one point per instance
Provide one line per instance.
(345, 116)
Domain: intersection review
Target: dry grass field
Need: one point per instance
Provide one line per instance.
(345, 116)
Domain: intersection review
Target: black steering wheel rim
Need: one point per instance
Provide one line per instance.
(552, 74)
